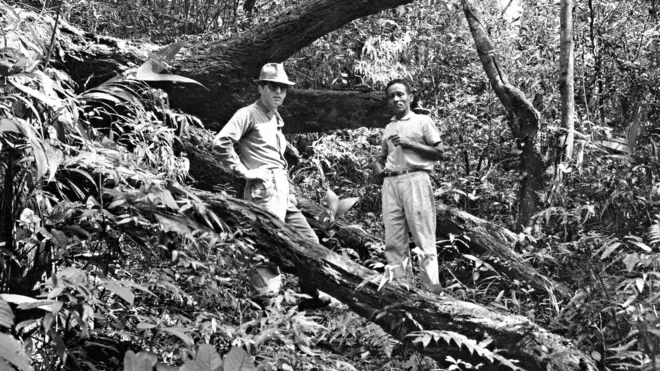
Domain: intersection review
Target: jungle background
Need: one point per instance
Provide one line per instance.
(122, 247)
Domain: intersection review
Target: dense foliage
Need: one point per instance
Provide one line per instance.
(108, 259)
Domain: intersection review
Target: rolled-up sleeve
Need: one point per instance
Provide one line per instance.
(231, 133)
(431, 134)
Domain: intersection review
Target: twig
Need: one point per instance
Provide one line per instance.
(52, 37)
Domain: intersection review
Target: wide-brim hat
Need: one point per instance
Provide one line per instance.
(274, 72)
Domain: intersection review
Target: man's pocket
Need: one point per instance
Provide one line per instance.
(260, 190)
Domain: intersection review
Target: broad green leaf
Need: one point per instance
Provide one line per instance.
(164, 367)
(332, 200)
(172, 223)
(341, 365)
(60, 238)
(238, 360)
(41, 304)
(12, 353)
(641, 245)
(146, 326)
(179, 332)
(150, 76)
(609, 250)
(26, 302)
(617, 146)
(345, 205)
(168, 52)
(9, 125)
(121, 291)
(206, 359)
(95, 95)
(630, 261)
(143, 361)
(166, 197)
(6, 315)
(118, 91)
(52, 103)
(55, 157)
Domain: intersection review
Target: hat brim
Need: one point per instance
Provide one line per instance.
(285, 82)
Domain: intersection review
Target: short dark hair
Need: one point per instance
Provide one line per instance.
(399, 81)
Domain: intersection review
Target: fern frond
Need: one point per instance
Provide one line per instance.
(472, 345)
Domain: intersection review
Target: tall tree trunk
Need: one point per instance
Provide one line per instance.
(567, 76)
(400, 312)
(524, 123)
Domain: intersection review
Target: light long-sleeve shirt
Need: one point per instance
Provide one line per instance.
(258, 133)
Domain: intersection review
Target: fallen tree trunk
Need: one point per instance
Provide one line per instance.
(494, 243)
(400, 312)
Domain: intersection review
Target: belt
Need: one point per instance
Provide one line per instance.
(397, 173)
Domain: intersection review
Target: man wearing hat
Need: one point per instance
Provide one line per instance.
(257, 129)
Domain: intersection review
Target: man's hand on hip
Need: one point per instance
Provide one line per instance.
(258, 174)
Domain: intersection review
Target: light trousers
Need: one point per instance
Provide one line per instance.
(409, 206)
(273, 195)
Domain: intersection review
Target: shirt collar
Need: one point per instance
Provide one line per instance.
(263, 108)
(404, 118)
(270, 114)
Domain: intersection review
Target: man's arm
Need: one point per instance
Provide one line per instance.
(434, 153)
(431, 148)
(378, 165)
(223, 147)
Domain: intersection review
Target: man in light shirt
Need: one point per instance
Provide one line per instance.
(410, 147)
(257, 129)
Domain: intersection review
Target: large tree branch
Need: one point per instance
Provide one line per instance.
(399, 311)
(226, 68)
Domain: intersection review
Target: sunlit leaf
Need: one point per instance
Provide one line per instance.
(345, 205)
(150, 76)
(6, 315)
(168, 52)
(609, 250)
(121, 291)
(332, 200)
(53, 103)
(207, 359)
(12, 353)
(9, 125)
(179, 332)
(237, 359)
(143, 361)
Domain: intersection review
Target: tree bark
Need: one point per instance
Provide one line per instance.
(227, 68)
(400, 312)
(524, 123)
(494, 243)
(567, 76)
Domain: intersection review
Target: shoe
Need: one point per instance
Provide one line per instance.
(314, 303)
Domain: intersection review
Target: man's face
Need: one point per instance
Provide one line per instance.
(398, 99)
(272, 94)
